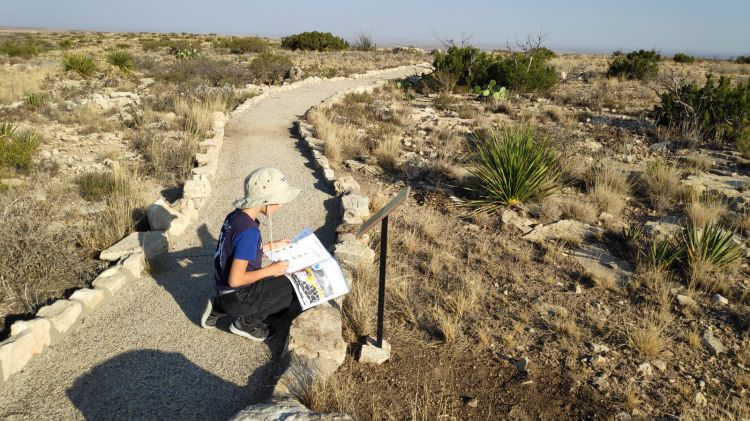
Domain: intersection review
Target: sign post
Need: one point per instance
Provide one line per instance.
(382, 217)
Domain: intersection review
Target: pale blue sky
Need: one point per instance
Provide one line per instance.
(718, 27)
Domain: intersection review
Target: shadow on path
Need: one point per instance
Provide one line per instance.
(151, 384)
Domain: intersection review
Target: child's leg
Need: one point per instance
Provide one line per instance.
(256, 302)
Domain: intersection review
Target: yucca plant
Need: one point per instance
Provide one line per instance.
(122, 61)
(80, 63)
(512, 168)
(7, 129)
(35, 100)
(660, 254)
(708, 250)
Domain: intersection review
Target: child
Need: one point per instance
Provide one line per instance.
(244, 289)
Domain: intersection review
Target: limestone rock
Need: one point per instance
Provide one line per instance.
(660, 365)
(152, 243)
(351, 253)
(346, 185)
(356, 205)
(64, 316)
(371, 354)
(40, 328)
(133, 264)
(315, 340)
(285, 410)
(713, 344)
(686, 301)
(566, 230)
(198, 187)
(719, 300)
(523, 364)
(90, 299)
(598, 360)
(512, 218)
(603, 267)
(160, 215)
(646, 369)
(17, 351)
(110, 285)
(296, 73)
(329, 175)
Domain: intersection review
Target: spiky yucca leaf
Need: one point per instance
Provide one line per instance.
(122, 61)
(661, 254)
(711, 244)
(513, 168)
(80, 63)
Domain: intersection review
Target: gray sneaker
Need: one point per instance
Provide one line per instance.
(258, 333)
(210, 315)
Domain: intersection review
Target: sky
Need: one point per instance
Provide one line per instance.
(708, 28)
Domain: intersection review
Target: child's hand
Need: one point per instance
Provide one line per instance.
(278, 268)
(282, 243)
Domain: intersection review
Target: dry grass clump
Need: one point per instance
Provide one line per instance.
(169, 158)
(124, 208)
(578, 209)
(609, 190)
(196, 116)
(40, 258)
(661, 183)
(387, 153)
(358, 314)
(649, 335)
(708, 208)
(18, 82)
(699, 162)
(340, 139)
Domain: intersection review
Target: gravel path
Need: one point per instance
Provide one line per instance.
(144, 356)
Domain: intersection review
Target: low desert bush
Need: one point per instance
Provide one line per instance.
(314, 41)
(17, 148)
(364, 42)
(169, 159)
(661, 183)
(465, 65)
(79, 63)
(743, 143)
(709, 250)
(526, 71)
(36, 100)
(742, 60)
(122, 61)
(38, 261)
(270, 68)
(242, 45)
(683, 58)
(26, 47)
(718, 110)
(513, 167)
(641, 64)
(206, 71)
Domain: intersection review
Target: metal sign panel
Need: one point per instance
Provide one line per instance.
(384, 211)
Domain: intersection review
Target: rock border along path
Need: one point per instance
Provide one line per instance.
(171, 225)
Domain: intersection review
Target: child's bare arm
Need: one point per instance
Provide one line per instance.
(276, 244)
(239, 276)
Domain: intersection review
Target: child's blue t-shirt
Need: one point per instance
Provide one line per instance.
(239, 239)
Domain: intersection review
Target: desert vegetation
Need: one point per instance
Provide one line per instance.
(95, 126)
(576, 237)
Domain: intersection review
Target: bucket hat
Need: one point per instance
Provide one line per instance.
(266, 186)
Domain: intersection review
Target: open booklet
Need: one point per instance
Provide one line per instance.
(314, 274)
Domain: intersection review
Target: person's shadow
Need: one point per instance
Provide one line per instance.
(140, 385)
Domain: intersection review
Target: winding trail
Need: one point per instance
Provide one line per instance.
(143, 355)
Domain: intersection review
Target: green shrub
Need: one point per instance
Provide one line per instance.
(743, 143)
(742, 60)
(242, 45)
(270, 68)
(17, 147)
(467, 64)
(204, 70)
(82, 64)
(65, 44)
(639, 64)
(122, 61)
(683, 58)
(717, 110)
(512, 168)
(96, 186)
(314, 41)
(23, 47)
(525, 72)
(151, 44)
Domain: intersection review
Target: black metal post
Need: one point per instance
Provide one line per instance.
(381, 289)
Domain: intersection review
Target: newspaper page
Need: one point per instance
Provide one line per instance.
(314, 274)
